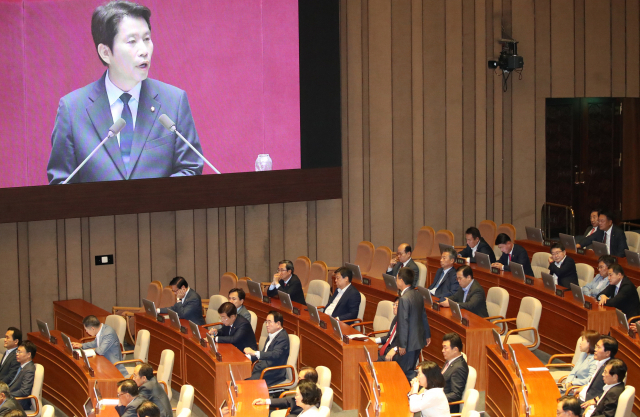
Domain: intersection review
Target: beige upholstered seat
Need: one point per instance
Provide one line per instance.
(424, 243)
(2, 349)
(324, 376)
(184, 413)
(625, 402)
(36, 393)
(497, 305)
(48, 411)
(585, 274)
(186, 399)
(254, 320)
(118, 324)
(326, 411)
(488, 231)
(263, 336)
(140, 352)
(154, 293)
(357, 322)
(242, 283)
(364, 256)
(382, 320)
(318, 293)
(380, 263)
(560, 370)
(327, 397)
(422, 275)
(508, 229)
(318, 272)
(470, 399)
(469, 386)
(633, 241)
(228, 280)
(291, 379)
(473, 414)
(443, 236)
(165, 370)
(212, 311)
(527, 324)
(167, 298)
(301, 267)
(540, 264)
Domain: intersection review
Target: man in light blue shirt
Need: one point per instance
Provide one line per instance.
(601, 280)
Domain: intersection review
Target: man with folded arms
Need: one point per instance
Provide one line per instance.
(149, 388)
(511, 253)
(607, 233)
(306, 374)
(403, 260)
(455, 370)
(445, 283)
(8, 364)
(286, 281)
(275, 352)
(106, 342)
(344, 303)
(476, 243)
(189, 304)
(562, 267)
(22, 383)
(8, 403)
(128, 398)
(470, 296)
(620, 293)
(235, 329)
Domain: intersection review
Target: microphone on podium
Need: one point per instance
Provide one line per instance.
(113, 131)
(171, 126)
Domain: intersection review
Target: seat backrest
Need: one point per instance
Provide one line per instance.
(585, 274)
(384, 316)
(318, 272)
(254, 320)
(473, 413)
(497, 302)
(488, 230)
(165, 369)
(186, 398)
(540, 264)
(212, 311)
(443, 236)
(154, 291)
(167, 299)
(471, 379)
(141, 351)
(301, 266)
(381, 260)
(294, 350)
(470, 403)
(327, 397)
(2, 349)
(242, 283)
(529, 316)
(508, 229)
(264, 334)
(364, 256)
(422, 274)
(117, 323)
(36, 389)
(424, 242)
(577, 353)
(625, 402)
(228, 280)
(324, 376)
(184, 413)
(633, 240)
(48, 411)
(363, 304)
(324, 411)
(318, 293)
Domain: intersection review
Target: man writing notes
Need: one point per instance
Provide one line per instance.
(607, 233)
(189, 305)
(344, 303)
(106, 342)
(476, 243)
(285, 280)
(511, 253)
(274, 353)
(445, 283)
(470, 296)
(403, 260)
(121, 33)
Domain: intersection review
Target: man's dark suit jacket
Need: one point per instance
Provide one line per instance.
(609, 403)
(518, 255)
(9, 367)
(413, 326)
(189, 309)
(155, 393)
(448, 287)
(130, 410)
(276, 355)
(286, 402)
(293, 288)
(23, 383)
(597, 384)
(455, 379)
(476, 301)
(348, 305)
(412, 265)
(584, 235)
(11, 404)
(567, 273)
(617, 241)
(483, 247)
(627, 299)
(241, 335)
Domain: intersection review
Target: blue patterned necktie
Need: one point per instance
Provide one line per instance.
(14, 378)
(126, 134)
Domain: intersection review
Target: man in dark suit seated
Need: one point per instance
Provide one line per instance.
(128, 398)
(237, 296)
(593, 218)
(606, 349)
(235, 330)
(148, 409)
(445, 283)
(476, 243)
(22, 383)
(306, 374)
(275, 352)
(511, 253)
(286, 281)
(9, 365)
(455, 369)
(403, 260)
(562, 267)
(607, 233)
(568, 406)
(620, 293)
(189, 305)
(470, 296)
(344, 303)
(613, 376)
(7, 402)
(149, 388)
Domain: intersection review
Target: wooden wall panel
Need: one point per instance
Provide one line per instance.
(73, 261)
(240, 242)
(468, 156)
(329, 232)
(618, 48)
(103, 277)
(230, 238)
(417, 113)
(213, 251)
(144, 251)
(632, 47)
(597, 29)
(578, 36)
(562, 48)
(257, 242)
(312, 228)
(295, 231)
(276, 236)
(543, 90)
(163, 246)
(9, 275)
(129, 291)
(185, 247)
(42, 261)
(86, 259)
(480, 137)
(200, 252)
(62, 259)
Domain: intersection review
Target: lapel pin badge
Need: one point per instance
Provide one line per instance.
(153, 109)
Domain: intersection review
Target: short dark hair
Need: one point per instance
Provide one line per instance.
(452, 253)
(310, 392)
(310, 374)
(179, 282)
(454, 340)
(474, 232)
(432, 372)
(91, 321)
(4, 389)
(617, 269)
(228, 308)
(128, 386)
(570, 403)
(466, 271)
(106, 19)
(288, 264)
(608, 260)
(241, 294)
(557, 245)
(607, 214)
(17, 334)
(148, 409)
(597, 210)
(146, 371)
(618, 367)
(407, 248)
(610, 345)
(345, 272)
(29, 347)
(502, 238)
(277, 316)
(406, 275)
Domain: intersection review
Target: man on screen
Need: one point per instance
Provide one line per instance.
(121, 32)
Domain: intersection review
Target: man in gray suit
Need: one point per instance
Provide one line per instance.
(128, 398)
(403, 260)
(22, 383)
(149, 388)
(8, 364)
(8, 403)
(144, 148)
(106, 342)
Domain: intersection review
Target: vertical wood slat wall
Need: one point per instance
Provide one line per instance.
(430, 138)
(45, 261)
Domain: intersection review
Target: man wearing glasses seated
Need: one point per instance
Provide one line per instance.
(235, 329)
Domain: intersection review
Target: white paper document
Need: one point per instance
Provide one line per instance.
(89, 352)
(540, 369)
